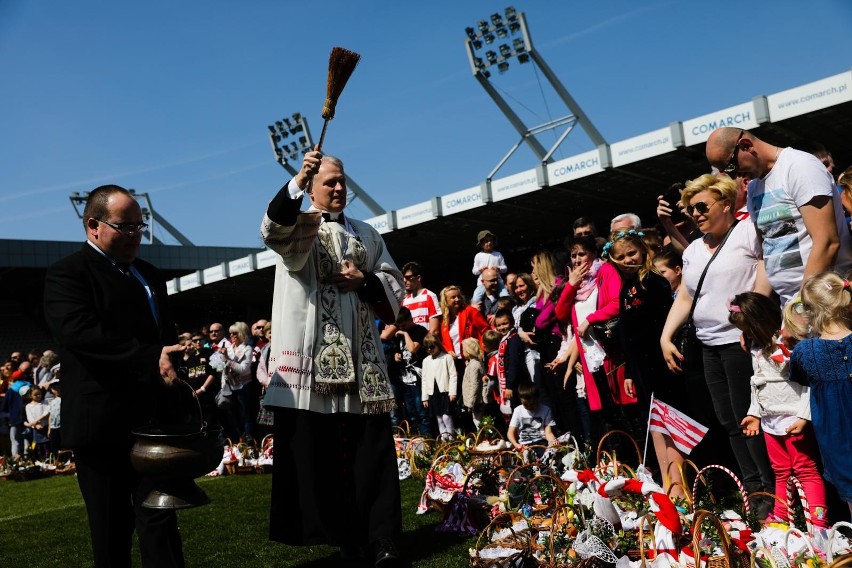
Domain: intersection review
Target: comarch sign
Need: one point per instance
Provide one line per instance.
(698, 130)
(379, 223)
(578, 166)
(461, 200)
(642, 147)
(813, 96)
(514, 185)
(414, 215)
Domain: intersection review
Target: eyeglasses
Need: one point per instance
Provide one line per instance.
(196, 340)
(733, 164)
(701, 207)
(408, 277)
(233, 333)
(126, 228)
(258, 327)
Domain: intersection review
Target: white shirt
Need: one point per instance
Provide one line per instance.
(733, 271)
(775, 203)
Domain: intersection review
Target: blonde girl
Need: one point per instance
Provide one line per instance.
(824, 362)
(474, 371)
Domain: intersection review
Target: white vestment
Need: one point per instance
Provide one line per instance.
(321, 332)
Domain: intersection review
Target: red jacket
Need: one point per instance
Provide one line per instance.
(471, 324)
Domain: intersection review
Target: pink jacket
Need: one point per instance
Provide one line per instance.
(608, 282)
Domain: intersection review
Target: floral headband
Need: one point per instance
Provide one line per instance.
(621, 235)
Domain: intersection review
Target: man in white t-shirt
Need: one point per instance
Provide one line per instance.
(793, 203)
(423, 304)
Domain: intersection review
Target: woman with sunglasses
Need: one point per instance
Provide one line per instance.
(727, 368)
(238, 378)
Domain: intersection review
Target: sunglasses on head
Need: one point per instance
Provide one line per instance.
(701, 207)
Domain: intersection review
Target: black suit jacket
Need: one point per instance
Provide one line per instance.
(109, 346)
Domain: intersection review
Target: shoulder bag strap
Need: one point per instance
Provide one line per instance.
(703, 274)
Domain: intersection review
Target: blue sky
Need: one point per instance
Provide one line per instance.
(173, 98)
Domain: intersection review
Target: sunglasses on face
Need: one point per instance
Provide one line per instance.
(701, 207)
(733, 164)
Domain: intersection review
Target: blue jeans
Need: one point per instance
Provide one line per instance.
(414, 411)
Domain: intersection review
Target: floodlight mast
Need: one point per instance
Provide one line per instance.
(293, 152)
(521, 48)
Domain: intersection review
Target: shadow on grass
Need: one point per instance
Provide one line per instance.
(424, 542)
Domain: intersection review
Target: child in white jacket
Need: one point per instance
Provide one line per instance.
(779, 406)
(439, 383)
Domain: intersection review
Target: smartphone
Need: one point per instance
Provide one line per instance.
(672, 196)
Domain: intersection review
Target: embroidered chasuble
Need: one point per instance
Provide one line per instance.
(326, 354)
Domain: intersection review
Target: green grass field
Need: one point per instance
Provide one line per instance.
(43, 523)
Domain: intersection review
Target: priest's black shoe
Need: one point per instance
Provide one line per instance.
(386, 554)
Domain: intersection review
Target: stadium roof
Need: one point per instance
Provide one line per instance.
(535, 208)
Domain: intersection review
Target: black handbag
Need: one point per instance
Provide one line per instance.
(605, 333)
(686, 339)
(687, 343)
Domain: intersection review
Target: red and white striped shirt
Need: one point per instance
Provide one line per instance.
(424, 306)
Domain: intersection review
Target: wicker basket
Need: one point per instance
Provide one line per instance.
(613, 454)
(730, 557)
(448, 486)
(701, 479)
(844, 561)
(766, 553)
(419, 451)
(684, 485)
(402, 430)
(795, 489)
(511, 540)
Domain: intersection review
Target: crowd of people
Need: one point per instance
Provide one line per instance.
(735, 297)
(709, 305)
(229, 388)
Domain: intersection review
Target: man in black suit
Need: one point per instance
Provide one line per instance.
(105, 308)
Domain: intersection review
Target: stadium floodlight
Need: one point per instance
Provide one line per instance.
(294, 150)
(286, 151)
(522, 48)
